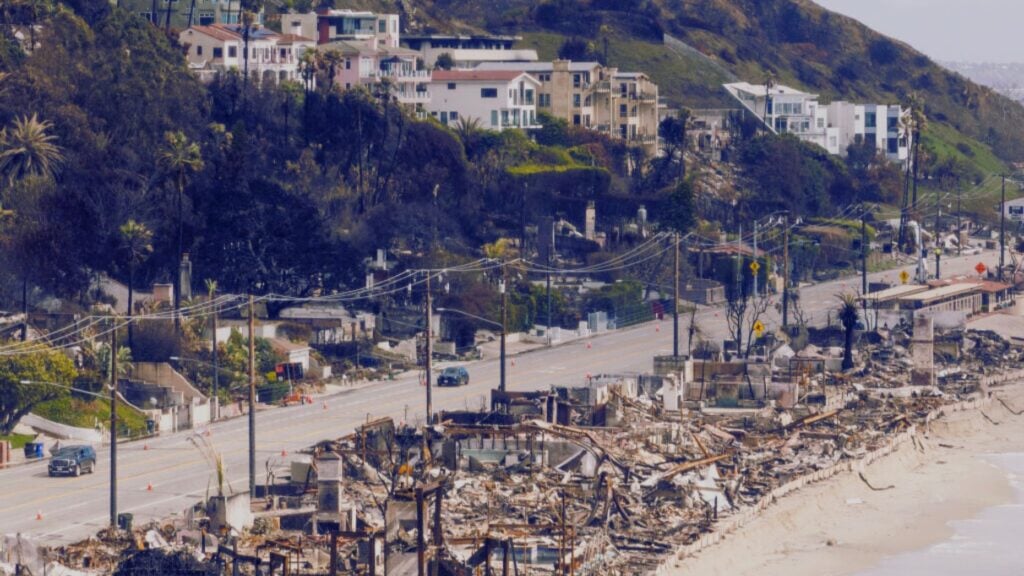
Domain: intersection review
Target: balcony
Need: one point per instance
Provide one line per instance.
(648, 97)
(413, 97)
(405, 75)
(603, 86)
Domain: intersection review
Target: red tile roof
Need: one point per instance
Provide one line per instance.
(217, 31)
(476, 75)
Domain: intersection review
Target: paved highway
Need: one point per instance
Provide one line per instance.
(74, 508)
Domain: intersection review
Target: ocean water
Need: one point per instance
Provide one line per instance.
(987, 545)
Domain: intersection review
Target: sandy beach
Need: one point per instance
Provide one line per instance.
(842, 527)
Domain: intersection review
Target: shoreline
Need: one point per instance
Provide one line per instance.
(832, 523)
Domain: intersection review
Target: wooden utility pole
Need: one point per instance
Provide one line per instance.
(504, 321)
(429, 353)
(675, 302)
(252, 399)
(215, 402)
(959, 230)
(785, 273)
(864, 254)
(113, 428)
(1002, 230)
(938, 236)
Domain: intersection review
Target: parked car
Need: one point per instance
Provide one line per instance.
(73, 461)
(453, 376)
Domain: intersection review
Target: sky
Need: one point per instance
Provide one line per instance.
(946, 30)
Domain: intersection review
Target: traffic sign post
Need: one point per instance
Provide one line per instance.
(981, 268)
(758, 328)
(904, 276)
(755, 267)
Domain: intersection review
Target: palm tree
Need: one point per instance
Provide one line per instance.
(27, 149)
(180, 157)
(137, 240)
(848, 315)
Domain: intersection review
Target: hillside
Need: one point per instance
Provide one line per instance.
(691, 46)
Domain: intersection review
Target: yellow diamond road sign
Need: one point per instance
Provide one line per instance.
(904, 277)
(758, 328)
(754, 267)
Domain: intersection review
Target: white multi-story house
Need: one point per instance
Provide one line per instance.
(273, 57)
(498, 99)
(785, 110)
(328, 25)
(469, 51)
(880, 125)
(834, 127)
(623, 105)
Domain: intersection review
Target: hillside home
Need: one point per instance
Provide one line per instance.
(785, 110)
(498, 100)
(187, 14)
(328, 25)
(590, 95)
(364, 64)
(468, 51)
(881, 125)
(273, 57)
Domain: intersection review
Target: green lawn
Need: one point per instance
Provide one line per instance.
(17, 441)
(86, 414)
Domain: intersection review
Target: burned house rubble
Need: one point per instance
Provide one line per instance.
(614, 476)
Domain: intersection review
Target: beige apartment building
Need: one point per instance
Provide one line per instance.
(623, 105)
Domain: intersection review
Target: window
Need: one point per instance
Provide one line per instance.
(893, 145)
(382, 26)
(218, 52)
(199, 50)
(544, 100)
(451, 85)
(488, 92)
(893, 123)
(623, 131)
(576, 100)
(870, 120)
(284, 53)
(453, 116)
(444, 117)
(623, 88)
(575, 80)
(232, 52)
(623, 110)
(348, 63)
(494, 118)
(576, 119)
(821, 123)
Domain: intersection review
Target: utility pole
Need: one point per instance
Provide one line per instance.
(252, 399)
(675, 302)
(503, 287)
(755, 256)
(429, 353)
(959, 230)
(938, 237)
(551, 248)
(864, 254)
(216, 370)
(1002, 230)
(785, 272)
(113, 428)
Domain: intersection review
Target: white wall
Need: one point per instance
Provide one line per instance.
(465, 99)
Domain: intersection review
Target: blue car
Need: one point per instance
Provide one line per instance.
(453, 376)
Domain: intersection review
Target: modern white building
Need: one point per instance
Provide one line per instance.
(273, 57)
(881, 125)
(498, 100)
(785, 110)
(469, 51)
(834, 127)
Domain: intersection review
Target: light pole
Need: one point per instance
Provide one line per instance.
(502, 287)
(501, 385)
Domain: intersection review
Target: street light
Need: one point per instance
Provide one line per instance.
(501, 385)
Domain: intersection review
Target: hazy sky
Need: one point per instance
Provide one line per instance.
(961, 30)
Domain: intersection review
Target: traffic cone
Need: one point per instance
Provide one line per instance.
(149, 487)
(325, 404)
(513, 363)
(207, 433)
(657, 327)
(284, 453)
(589, 346)
(145, 446)
(39, 514)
